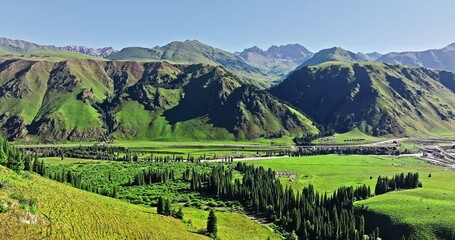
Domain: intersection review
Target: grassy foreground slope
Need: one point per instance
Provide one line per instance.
(231, 225)
(424, 213)
(64, 212)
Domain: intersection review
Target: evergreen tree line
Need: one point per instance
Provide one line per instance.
(150, 176)
(399, 181)
(86, 152)
(311, 151)
(68, 176)
(308, 214)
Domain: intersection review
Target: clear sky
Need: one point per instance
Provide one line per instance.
(357, 25)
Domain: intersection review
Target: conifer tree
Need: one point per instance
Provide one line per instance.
(212, 228)
(3, 156)
(167, 207)
(160, 207)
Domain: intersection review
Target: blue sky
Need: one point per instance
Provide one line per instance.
(358, 25)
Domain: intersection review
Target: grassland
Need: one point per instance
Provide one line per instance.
(426, 213)
(355, 136)
(327, 173)
(231, 225)
(63, 212)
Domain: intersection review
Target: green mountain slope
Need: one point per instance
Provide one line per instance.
(443, 59)
(87, 99)
(190, 52)
(333, 54)
(377, 98)
(40, 208)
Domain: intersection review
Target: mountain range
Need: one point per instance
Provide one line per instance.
(264, 66)
(191, 91)
(276, 61)
(189, 52)
(90, 99)
(9, 45)
(443, 58)
(379, 99)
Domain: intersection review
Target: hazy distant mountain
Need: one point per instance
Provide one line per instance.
(277, 60)
(370, 56)
(10, 45)
(334, 54)
(437, 58)
(97, 52)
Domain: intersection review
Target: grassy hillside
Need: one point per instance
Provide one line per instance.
(231, 224)
(378, 99)
(334, 54)
(426, 213)
(58, 211)
(88, 99)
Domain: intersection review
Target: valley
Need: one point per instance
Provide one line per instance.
(189, 141)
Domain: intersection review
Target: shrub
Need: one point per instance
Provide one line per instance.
(3, 208)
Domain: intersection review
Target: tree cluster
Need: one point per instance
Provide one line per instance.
(11, 157)
(311, 151)
(399, 181)
(70, 177)
(308, 214)
(86, 152)
(164, 208)
(150, 176)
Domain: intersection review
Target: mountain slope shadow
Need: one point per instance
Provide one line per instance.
(195, 102)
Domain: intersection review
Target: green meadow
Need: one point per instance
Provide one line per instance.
(426, 213)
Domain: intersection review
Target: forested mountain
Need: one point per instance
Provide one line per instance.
(276, 60)
(443, 59)
(88, 99)
(9, 45)
(379, 99)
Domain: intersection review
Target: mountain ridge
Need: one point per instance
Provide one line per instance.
(89, 99)
(379, 99)
(190, 52)
(442, 59)
(14, 45)
(276, 60)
